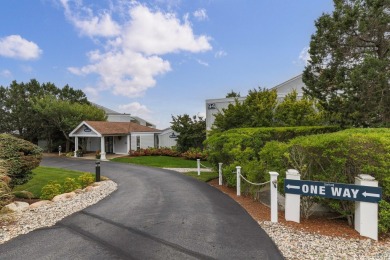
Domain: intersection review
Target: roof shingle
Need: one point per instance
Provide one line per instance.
(116, 128)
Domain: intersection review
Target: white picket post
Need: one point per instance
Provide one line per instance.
(238, 169)
(220, 173)
(293, 201)
(274, 196)
(198, 162)
(366, 213)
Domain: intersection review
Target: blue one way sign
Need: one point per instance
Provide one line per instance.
(333, 190)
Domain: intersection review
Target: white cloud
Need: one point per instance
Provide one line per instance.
(200, 14)
(14, 46)
(125, 72)
(6, 73)
(220, 54)
(160, 33)
(89, 24)
(304, 56)
(136, 109)
(92, 93)
(130, 62)
(203, 63)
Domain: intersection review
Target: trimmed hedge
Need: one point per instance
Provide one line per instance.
(220, 144)
(18, 158)
(241, 146)
(335, 157)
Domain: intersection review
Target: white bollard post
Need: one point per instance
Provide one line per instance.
(238, 168)
(220, 173)
(274, 196)
(198, 162)
(293, 201)
(366, 213)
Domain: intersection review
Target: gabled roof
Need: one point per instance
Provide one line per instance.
(114, 128)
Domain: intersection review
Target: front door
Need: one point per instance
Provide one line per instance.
(109, 146)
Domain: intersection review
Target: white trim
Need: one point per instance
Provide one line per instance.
(72, 134)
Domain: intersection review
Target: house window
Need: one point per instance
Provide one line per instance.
(156, 141)
(138, 143)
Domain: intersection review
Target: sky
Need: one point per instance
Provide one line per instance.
(159, 58)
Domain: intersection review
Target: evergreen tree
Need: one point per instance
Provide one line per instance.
(349, 71)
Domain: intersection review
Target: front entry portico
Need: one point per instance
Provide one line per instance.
(113, 137)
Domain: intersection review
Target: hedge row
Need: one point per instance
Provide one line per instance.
(333, 157)
(220, 145)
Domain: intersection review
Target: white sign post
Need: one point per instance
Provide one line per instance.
(274, 196)
(198, 164)
(220, 173)
(366, 213)
(293, 201)
(365, 192)
(238, 184)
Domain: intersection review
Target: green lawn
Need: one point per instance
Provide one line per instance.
(204, 176)
(42, 175)
(161, 161)
(171, 162)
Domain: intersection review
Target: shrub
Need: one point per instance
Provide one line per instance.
(70, 154)
(164, 151)
(86, 179)
(384, 217)
(50, 190)
(220, 145)
(195, 153)
(70, 184)
(18, 158)
(5, 194)
(335, 157)
(24, 194)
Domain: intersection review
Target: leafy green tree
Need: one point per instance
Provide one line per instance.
(255, 111)
(17, 113)
(349, 71)
(261, 105)
(234, 116)
(65, 115)
(293, 111)
(192, 131)
(232, 94)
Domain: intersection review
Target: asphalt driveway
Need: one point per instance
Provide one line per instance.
(154, 214)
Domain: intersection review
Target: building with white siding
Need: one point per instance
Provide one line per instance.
(215, 106)
(120, 134)
(114, 137)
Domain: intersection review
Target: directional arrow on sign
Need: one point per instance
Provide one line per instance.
(366, 194)
(293, 187)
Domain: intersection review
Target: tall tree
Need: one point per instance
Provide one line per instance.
(232, 94)
(294, 111)
(16, 108)
(349, 71)
(65, 115)
(255, 111)
(192, 131)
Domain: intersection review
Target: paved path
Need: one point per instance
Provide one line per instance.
(154, 214)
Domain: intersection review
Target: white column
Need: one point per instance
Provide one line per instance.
(293, 201)
(366, 213)
(220, 173)
(128, 144)
(198, 164)
(102, 149)
(76, 146)
(274, 196)
(238, 184)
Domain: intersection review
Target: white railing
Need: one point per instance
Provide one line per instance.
(199, 165)
(273, 189)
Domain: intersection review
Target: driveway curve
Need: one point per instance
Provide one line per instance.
(154, 214)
